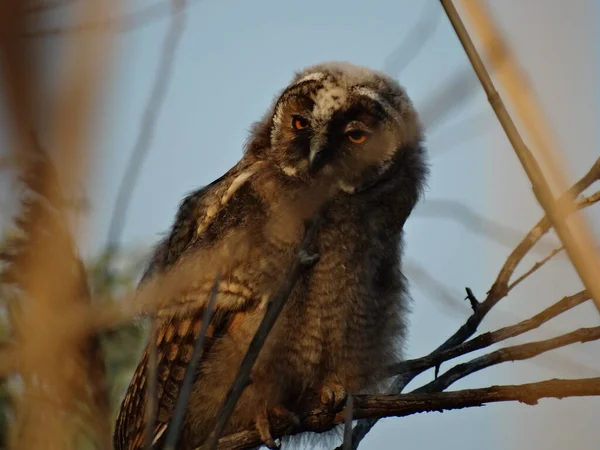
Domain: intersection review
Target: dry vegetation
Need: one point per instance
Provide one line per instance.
(65, 323)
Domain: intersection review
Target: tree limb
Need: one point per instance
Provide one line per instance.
(380, 406)
(498, 291)
(490, 338)
(514, 353)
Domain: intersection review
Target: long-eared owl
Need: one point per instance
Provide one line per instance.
(338, 133)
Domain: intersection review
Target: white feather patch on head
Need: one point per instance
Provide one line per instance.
(330, 98)
(373, 95)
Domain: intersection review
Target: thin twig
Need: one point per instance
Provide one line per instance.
(147, 128)
(118, 24)
(174, 427)
(151, 387)
(535, 267)
(45, 6)
(303, 261)
(542, 227)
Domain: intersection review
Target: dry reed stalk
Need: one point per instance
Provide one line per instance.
(576, 236)
(54, 367)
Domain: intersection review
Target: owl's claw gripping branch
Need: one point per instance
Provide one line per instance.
(334, 396)
(264, 429)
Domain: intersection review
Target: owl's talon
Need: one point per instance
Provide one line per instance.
(334, 396)
(264, 430)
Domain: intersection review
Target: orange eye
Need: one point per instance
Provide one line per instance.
(358, 137)
(300, 123)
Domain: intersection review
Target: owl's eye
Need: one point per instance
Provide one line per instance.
(357, 136)
(299, 122)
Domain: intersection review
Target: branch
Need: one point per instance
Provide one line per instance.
(45, 6)
(380, 406)
(544, 225)
(535, 267)
(146, 132)
(498, 291)
(514, 353)
(126, 23)
(576, 235)
(487, 339)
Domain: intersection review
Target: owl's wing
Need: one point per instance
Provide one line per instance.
(174, 340)
(176, 335)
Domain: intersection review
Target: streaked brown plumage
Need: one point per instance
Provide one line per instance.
(339, 132)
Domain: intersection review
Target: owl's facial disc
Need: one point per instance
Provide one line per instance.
(328, 124)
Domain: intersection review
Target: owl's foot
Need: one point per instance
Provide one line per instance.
(334, 396)
(323, 405)
(279, 415)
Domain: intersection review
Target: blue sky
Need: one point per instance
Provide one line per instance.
(234, 56)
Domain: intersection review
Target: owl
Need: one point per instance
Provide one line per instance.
(338, 133)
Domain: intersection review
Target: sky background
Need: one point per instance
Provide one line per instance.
(234, 56)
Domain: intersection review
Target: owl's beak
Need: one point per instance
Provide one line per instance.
(316, 157)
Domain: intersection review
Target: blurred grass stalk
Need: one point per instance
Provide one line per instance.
(49, 359)
(575, 232)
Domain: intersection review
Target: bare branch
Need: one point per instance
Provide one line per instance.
(379, 406)
(486, 339)
(123, 24)
(146, 132)
(498, 291)
(45, 6)
(575, 235)
(542, 227)
(535, 267)
(514, 353)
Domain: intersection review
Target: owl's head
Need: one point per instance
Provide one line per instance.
(339, 120)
